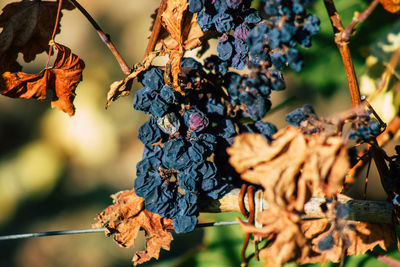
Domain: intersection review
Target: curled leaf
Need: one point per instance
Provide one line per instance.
(283, 226)
(291, 169)
(62, 80)
(27, 28)
(127, 216)
(359, 238)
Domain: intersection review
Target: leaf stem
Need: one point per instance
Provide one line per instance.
(51, 44)
(104, 37)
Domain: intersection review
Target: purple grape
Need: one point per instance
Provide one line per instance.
(168, 94)
(191, 63)
(326, 243)
(143, 98)
(298, 115)
(153, 78)
(204, 20)
(223, 22)
(149, 133)
(241, 31)
(195, 120)
(225, 48)
(184, 224)
(252, 17)
(195, 6)
(175, 154)
(158, 107)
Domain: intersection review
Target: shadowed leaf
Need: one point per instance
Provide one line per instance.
(127, 216)
(61, 80)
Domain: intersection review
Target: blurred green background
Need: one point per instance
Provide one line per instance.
(57, 172)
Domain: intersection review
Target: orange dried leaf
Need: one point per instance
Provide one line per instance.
(288, 243)
(291, 168)
(27, 28)
(62, 79)
(362, 238)
(123, 87)
(172, 18)
(392, 6)
(127, 216)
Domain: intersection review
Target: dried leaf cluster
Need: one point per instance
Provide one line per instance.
(127, 216)
(291, 169)
(178, 31)
(27, 29)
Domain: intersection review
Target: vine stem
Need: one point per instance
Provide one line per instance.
(104, 37)
(358, 18)
(156, 29)
(360, 210)
(342, 36)
(51, 44)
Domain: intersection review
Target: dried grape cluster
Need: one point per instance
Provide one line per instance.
(187, 134)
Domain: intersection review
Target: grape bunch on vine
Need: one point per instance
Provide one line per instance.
(209, 144)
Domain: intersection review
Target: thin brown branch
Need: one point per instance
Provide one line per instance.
(104, 37)
(387, 74)
(51, 44)
(358, 18)
(156, 29)
(344, 52)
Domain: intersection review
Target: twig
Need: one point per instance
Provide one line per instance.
(344, 52)
(51, 44)
(104, 37)
(94, 230)
(358, 18)
(382, 139)
(387, 74)
(156, 29)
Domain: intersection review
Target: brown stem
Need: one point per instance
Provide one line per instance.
(382, 139)
(344, 52)
(156, 29)
(358, 18)
(51, 44)
(104, 37)
(390, 131)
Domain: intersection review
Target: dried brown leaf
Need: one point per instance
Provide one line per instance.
(27, 28)
(392, 6)
(179, 32)
(127, 216)
(193, 37)
(288, 243)
(62, 79)
(172, 18)
(123, 87)
(364, 237)
(291, 168)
